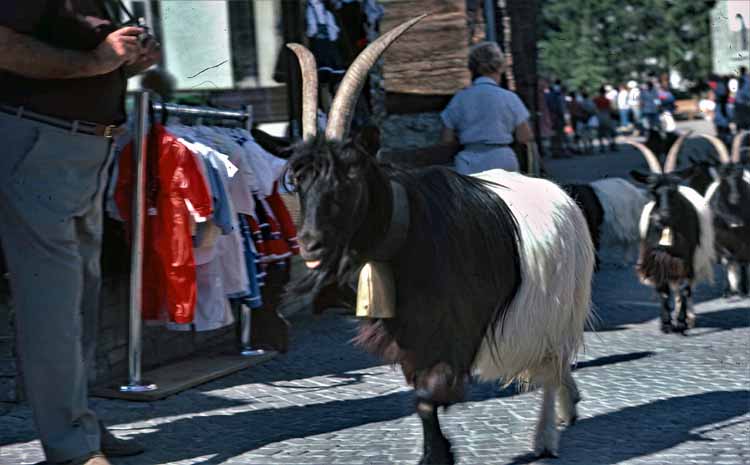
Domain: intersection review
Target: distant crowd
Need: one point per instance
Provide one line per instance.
(728, 103)
(574, 120)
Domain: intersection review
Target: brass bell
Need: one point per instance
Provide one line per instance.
(667, 238)
(376, 291)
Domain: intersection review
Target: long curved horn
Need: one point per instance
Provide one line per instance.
(309, 89)
(342, 108)
(671, 162)
(653, 162)
(721, 149)
(736, 144)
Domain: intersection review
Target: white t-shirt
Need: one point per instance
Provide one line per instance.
(623, 102)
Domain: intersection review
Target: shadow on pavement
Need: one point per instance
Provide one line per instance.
(612, 359)
(226, 436)
(723, 320)
(629, 433)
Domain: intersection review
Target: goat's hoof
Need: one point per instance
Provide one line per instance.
(666, 327)
(439, 453)
(438, 459)
(546, 454)
(546, 442)
(680, 327)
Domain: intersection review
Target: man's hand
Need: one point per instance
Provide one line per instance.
(27, 56)
(121, 47)
(149, 56)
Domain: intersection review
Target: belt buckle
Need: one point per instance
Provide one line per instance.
(108, 131)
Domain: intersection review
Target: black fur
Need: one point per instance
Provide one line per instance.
(663, 265)
(698, 174)
(589, 203)
(671, 210)
(456, 274)
(659, 142)
(730, 206)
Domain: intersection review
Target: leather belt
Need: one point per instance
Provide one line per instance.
(76, 127)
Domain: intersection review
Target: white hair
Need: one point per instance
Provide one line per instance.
(543, 327)
(622, 203)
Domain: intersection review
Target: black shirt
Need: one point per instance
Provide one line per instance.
(67, 24)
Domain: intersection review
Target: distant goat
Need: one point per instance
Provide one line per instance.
(728, 198)
(677, 238)
(612, 208)
(491, 274)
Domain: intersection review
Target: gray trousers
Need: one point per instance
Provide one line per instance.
(51, 187)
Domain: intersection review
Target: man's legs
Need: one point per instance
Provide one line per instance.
(48, 182)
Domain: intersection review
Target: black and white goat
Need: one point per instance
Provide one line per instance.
(492, 275)
(677, 238)
(612, 208)
(728, 198)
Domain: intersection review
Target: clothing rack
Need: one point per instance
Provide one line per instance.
(245, 115)
(135, 345)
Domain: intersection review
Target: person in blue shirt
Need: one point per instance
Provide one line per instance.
(485, 118)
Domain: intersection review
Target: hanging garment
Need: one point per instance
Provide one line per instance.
(253, 299)
(267, 168)
(212, 309)
(260, 247)
(223, 258)
(281, 213)
(169, 276)
(276, 248)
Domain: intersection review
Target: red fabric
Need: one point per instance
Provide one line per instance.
(168, 263)
(278, 249)
(281, 213)
(602, 103)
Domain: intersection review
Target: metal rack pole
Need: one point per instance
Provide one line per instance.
(135, 346)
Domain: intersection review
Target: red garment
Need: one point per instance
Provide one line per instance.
(276, 246)
(281, 213)
(168, 264)
(602, 103)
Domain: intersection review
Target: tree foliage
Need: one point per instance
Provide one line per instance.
(590, 42)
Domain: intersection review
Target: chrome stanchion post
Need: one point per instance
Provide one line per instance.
(135, 346)
(245, 333)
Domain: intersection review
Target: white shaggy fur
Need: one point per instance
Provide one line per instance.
(543, 327)
(704, 255)
(622, 203)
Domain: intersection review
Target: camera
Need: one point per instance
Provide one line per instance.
(146, 35)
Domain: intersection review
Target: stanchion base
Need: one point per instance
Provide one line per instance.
(252, 352)
(146, 387)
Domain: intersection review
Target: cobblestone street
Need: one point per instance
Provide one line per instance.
(648, 398)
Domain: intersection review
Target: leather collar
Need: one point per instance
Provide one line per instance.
(398, 229)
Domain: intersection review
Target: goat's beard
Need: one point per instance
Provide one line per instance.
(656, 266)
(337, 266)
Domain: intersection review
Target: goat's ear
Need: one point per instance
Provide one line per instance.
(639, 177)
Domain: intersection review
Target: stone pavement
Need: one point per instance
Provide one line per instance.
(648, 398)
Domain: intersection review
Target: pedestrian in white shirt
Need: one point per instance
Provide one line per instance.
(634, 102)
(623, 106)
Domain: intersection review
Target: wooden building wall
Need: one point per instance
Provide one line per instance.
(429, 61)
